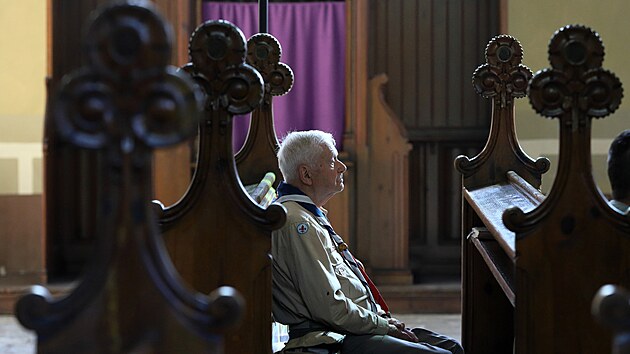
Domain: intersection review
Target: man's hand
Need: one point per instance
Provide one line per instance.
(397, 329)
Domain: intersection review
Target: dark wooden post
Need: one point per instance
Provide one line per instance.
(125, 103)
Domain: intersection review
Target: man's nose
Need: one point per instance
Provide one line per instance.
(342, 167)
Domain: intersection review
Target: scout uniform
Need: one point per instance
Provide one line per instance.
(318, 289)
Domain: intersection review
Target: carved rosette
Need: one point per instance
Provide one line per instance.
(217, 52)
(264, 53)
(127, 95)
(575, 79)
(502, 78)
(127, 101)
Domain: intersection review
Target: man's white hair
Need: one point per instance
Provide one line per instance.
(302, 148)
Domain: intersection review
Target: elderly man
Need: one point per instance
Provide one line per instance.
(619, 171)
(319, 289)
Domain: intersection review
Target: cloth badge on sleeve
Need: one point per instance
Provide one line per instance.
(302, 228)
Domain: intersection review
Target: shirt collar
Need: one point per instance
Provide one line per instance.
(288, 192)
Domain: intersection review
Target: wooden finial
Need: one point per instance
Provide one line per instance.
(261, 145)
(126, 101)
(503, 78)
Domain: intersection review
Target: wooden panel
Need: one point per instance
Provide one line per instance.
(22, 252)
(455, 73)
(494, 256)
(422, 96)
(493, 315)
(407, 66)
(435, 205)
(429, 49)
(438, 68)
(434, 88)
(395, 30)
(385, 206)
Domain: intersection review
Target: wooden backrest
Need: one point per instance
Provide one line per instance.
(573, 241)
(216, 234)
(258, 154)
(125, 103)
(503, 79)
(499, 177)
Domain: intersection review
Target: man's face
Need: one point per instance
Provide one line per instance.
(328, 175)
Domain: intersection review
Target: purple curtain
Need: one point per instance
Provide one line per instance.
(312, 37)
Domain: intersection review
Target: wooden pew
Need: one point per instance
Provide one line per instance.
(532, 263)
(217, 234)
(611, 307)
(127, 102)
(486, 285)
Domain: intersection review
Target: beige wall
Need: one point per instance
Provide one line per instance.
(533, 22)
(22, 98)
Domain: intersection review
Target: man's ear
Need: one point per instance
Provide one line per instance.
(305, 175)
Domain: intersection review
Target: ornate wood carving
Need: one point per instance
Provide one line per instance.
(503, 78)
(258, 154)
(127, 102)
(493, 181)
(573, 241)
(216, 234)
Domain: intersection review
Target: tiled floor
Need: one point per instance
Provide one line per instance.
(16, 340)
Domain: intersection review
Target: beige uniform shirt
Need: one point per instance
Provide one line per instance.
(311, 281)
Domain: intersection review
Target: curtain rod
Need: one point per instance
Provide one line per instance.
(262, 16)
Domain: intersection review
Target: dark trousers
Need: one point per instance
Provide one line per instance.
(430, 343)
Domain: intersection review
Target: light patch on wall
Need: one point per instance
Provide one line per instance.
(23, 173)
(549, 148)
(38, 176)
(9, 173)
